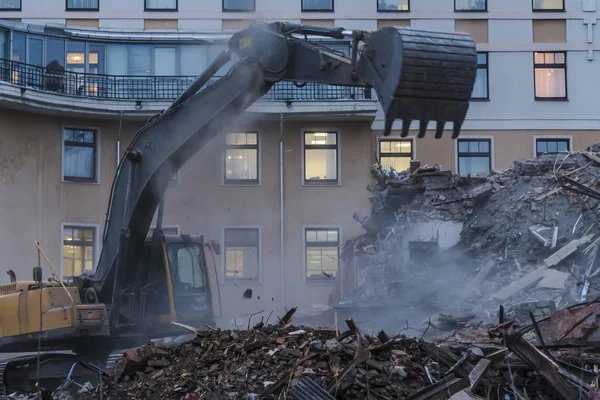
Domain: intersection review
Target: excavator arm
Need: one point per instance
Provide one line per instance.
(417, 76)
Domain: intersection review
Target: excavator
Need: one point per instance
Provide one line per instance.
(142, 284)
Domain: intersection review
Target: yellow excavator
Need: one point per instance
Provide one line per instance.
(140, 285)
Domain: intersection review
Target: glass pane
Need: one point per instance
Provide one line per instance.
(311, 235)
(88, 234)
(36, 52)
(482, 58)
(384, 147)
(96, 59)
(251, 138)
(320, 138)
(139, 60)
(398, 163)
(79, 162)
(243, 237)
(322, 236)
(89, 265)
(550, 83)
(77, 234)
(463, 146)
(402, 147)
(320, 164)
(541, 147)
(165, 61)
(392, 5)
(117, 59)
(559, 58)
(470, 5)
(480, 89)
(18, 47)
(563, 146)
(473, 147)
(67, 251)
(55, 54)
(243, 5)
(552, 147)
(230, 138)
(82, 4)
(241, 164)
(317, 4)
(193, 59)
(67, 234)
(67, 267)
(549, 58)
(3, 43)
(242, 262)
(332, 236)
(321, 262)
(186, 273)
(76, 56)
(473, 165)
(548, 4)
(484, 146)
(77, 264)
(539, 58)
(10, 4)
(161, 4)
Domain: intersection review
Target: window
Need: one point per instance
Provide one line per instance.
(3, 43)
(395, 153)
(241, 158)
(10, 5)
(241, 254)
(481, 87)
(548, 5)
(76, 56)
(320, 157)
(550, 75)
(161, 5)
(551, 146)
(239, 5)
(89, 5)
(317, 5)
(474, 156)
(79, 155)
(166, 231)
(322, 253)
(470, 5)
(393, 5)
(78, 249)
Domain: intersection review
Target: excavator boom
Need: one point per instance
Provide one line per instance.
(416, 75)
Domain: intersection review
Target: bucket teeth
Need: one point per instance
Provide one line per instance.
(405, 127)
(439, 129)
(389, 122)
(422, 128)
(456, 130)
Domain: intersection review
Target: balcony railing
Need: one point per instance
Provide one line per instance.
(166, 88)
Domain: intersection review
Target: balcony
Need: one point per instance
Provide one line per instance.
(153, 88)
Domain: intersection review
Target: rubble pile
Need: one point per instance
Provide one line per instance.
(529, 234)
(285, 361)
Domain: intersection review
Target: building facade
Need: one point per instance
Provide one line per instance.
(78, 78)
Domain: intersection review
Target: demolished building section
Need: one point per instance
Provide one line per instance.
(448, 249)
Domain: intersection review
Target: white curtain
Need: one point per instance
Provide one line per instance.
(165, 61)
(161, 4)
(193, 59)
(550, 82)
(117, 59)
(481, 82)
(79, 162)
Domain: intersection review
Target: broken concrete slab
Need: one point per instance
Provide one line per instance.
(526, 282)
(567, 250)
(553, 279)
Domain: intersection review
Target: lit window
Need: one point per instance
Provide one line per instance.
(550, 75)
(474, 156)
(317, 5)
(10, 5)
(480, 89)
(395, 154)
(241, 254)
(161, 4)
(238, 5)
(78, 250)
(393, 5)
(551, 146)
(79, 155)
(322, 253)
(166, 231)
(470, 5)
(320, 157)
(82, 5)
(241, 158)
(548, 5)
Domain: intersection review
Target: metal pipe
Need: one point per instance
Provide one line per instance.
(281, 224)
(119, 139)
(161, 210)
(222, 59)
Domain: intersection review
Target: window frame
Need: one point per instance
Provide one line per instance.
(243, 182)
(392, 11)
(67, 8)
(96, 244)
(555, 66)
(97, 149)
(305, 245)
(550, 138)
(533, 9)
(302, 9)
(237, 10)
(487, 68)
(413, 150)
(235, 281)
(485, 9)
(153, 227)
(13, 9)
(328, 182)
(161, 9)
(476, 138)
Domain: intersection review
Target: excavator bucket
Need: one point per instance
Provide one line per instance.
(420, 75)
